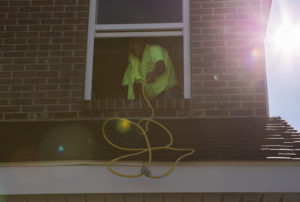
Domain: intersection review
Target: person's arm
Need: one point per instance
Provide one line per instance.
(159, 69)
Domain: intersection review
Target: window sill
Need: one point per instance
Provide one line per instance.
(122, 104)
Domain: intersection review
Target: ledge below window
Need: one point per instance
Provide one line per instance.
(121, 104)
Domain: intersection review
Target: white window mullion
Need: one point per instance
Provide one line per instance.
(138, 34)
(186, 47)
(127, 27)
(90, 51)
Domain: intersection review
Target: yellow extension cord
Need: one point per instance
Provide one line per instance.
(138, 151)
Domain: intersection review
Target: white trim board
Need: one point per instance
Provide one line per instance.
(98, 179)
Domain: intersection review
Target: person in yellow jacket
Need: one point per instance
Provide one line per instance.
(152, 65)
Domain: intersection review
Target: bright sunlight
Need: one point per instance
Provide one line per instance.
(283, 61)
(286, 37)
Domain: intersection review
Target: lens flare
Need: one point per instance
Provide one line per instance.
(123, 125)
(60, 148)
(256, 52)
(216, 77)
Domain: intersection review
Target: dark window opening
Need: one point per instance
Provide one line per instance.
(139, 11)
(111, 60)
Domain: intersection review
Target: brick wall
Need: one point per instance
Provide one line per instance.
(43, 47)
(228, 69)
(42, 63)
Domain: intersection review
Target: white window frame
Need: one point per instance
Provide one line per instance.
(138, 30)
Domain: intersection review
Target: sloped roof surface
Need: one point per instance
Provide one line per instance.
(224, 139)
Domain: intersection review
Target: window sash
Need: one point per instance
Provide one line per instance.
(155, 29)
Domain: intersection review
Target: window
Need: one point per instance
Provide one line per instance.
(113, 22)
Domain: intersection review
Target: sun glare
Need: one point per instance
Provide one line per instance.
(285, 37)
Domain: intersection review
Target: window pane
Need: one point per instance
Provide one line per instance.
(111, 60)
(139, 11)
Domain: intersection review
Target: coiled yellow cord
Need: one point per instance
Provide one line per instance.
(138, 151)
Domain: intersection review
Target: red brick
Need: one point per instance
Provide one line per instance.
(5, 61)
(30, 9)
(225, 10)
(18, 15)
(53, 108)
(73, 60)
(19, 3)
(64, 15)
(47, 74)
(49, 60)
(241, 112)
(26, 47)
(58, 94)
(22, 87)
(52, 21)
(34, 94)
(15, 116)
(213, 17)
(77, 8)
(39, 28)
(241, 97)
(50, 47)
(15, 41)
(3, 3)
(23, 74)
(35, 108)
(69, 101)
(11, 81)
(4, 88)
(61, 53)
(3, 101)
(201, 11)
(24, 60)
(46, 87)
(42, 2)
(254, 105)
(20, 102)
(37, 54)
(27, 34)
(65, 2)
(45, 101)
(62, 40)
(5, 74)
(206, 105)
(228, 91)
(34, 80)
(77, 93)
(65, 115)
(62, 27)
(216, 98)
(215, 43)
(216, 113)
(6, 47)
(41, 15)
(59, 80)
(53, 9)
(228, 105)
(8, 9)
(9, 109)
(51, 34)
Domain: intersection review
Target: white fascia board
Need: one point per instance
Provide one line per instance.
(135, 27)
(197, 178)
(139, 34)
